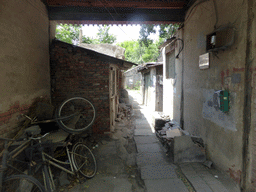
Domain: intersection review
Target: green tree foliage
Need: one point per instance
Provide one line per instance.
(139, 53)
(103, 35)
(90, 40)
(132, 51)
(144, 49)
(166, 31)
(68, 33)
(145, 31)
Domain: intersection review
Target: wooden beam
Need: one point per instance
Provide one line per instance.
(115, 15)
(148, 4)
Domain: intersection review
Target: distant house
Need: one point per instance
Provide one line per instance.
(152, 85)
(77, 71)
(132, 78)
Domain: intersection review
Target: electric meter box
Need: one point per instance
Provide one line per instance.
(224, 101)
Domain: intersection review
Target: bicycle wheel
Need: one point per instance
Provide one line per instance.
(22, 183)
(76, 115)
(83, 160)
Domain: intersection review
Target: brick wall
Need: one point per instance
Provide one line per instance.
(75, 72)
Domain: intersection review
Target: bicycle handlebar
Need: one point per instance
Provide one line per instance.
(38, 138)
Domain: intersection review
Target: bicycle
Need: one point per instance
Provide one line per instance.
(22, 183)
(74, 115)
(80, 159)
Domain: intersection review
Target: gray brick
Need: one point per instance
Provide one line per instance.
(155, 147)
(158, 172)
(175, 185)
(145, 139)
(143, 132)
(143, 159)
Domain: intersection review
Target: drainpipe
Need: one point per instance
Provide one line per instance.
(247, 101)
(182, 86)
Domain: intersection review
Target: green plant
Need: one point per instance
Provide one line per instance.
(137, 86)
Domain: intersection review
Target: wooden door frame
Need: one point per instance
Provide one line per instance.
(113, 95)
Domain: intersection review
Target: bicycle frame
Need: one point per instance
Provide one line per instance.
(7, 156)
(4, 164)
(34, 120)
(49, 160)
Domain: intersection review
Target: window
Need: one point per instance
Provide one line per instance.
(170, 65)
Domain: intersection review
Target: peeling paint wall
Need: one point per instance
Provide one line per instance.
(222, 132)
(24, 59)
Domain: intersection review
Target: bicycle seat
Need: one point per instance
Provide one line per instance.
(57, 136)
(32, 131)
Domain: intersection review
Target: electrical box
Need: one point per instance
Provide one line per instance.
(220, 39)
(224, 101)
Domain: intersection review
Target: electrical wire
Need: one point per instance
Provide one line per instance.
(215, 9)
(202, 1)
(181, 48)
(115, 20)
(118, 26)
(216, 14)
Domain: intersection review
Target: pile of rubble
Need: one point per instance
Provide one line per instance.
(178, 143)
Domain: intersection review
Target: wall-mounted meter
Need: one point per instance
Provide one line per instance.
(221, 100)
(220, 39)
(224, 101)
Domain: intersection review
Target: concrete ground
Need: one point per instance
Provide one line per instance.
(133, 160)
(156, 166)
(116, 160)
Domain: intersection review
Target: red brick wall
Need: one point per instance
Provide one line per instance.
(74, 72)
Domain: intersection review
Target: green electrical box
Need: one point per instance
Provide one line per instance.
(224, 101)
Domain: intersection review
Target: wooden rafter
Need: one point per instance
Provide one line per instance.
(147, 4)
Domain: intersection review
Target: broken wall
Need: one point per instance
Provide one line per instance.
(24, 58)
(222, 132)
(74, 72)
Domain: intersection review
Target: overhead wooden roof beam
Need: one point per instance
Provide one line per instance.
(147, 4)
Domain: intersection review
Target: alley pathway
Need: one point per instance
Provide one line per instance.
(156, 168)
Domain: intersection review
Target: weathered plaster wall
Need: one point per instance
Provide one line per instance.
(222, 132)
(252, 171)
(172, 87)
(168, 90)
(159, 88)
(152, 90)
(24, 58)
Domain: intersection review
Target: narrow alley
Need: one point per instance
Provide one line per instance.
(156, 165)
(133, 159)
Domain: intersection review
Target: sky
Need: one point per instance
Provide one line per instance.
(122, 33)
